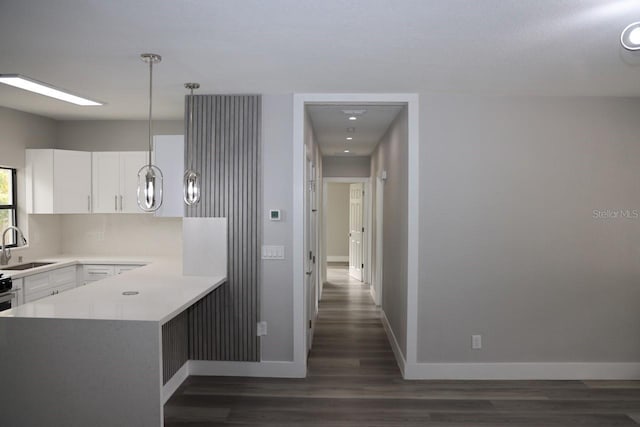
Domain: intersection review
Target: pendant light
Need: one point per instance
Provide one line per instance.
(191, 184)
(150, 176)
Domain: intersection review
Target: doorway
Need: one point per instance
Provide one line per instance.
(301, 239)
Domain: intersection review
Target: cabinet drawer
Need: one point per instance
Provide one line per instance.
(97, 272)
(119, 269)
(63, 276)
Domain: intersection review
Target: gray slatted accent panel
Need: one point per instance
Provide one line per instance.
(175, 345)
(226, 139)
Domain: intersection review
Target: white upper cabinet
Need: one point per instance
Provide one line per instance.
(115, 181)
(168, 153)
(130, 164)
(58, 181)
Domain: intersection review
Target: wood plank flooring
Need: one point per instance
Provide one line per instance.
(353, 380)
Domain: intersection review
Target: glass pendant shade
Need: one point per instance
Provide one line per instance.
(149, 195)
(191, 183)
(191, 187)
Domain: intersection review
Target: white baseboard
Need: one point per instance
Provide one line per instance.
(176, 380)
(336, 258)
(372, 291)
(247, 369)
(394, 343)
(522, 371)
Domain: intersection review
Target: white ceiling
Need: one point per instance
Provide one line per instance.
(331, 125)
(534, 47)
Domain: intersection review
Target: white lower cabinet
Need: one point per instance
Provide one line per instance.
(49, 283)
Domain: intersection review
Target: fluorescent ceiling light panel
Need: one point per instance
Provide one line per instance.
(22, 82)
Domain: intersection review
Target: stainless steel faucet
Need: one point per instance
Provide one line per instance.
(5, 255)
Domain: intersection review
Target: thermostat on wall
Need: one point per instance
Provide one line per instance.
(274, 214)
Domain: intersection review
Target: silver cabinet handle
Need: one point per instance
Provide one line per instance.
(121, 202)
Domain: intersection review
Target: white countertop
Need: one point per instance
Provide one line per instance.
(164, 292)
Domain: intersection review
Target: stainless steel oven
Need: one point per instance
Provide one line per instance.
(8, 295)
(8, 300)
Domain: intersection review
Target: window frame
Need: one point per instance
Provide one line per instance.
(14, 206)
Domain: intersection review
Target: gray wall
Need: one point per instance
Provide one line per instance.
(509, 246)
(276, 285)
(112, 135)
(391, 155)
(337, 220)
(351, 167)
(19, 131)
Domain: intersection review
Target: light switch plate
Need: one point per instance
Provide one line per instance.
(272, 252)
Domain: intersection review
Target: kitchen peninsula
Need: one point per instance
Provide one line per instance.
(109, 353)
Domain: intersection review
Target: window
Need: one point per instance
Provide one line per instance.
(8, 204)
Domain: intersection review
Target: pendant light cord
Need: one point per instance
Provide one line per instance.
(190, 141)
(150, 108)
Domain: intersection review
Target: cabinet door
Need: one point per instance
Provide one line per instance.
(106, 182)
(130, 164)
(39, 177)
(71, 181)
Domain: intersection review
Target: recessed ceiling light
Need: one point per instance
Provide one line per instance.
(346, 151)
(22, 82)
(630, 37)
(353, 118)
(349, 138)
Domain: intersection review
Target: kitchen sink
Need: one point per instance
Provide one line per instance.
(26, 266)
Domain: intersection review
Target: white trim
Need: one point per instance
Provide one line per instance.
(397, 351)
(176, 381)
(337, 258)
(345, 180)
(413, 226)
(372, 292)
(297, 255)
(379, 210)
(247, 369)
(523, 371)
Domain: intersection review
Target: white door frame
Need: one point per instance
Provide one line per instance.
(368, 209)
(299, 159)
(376, 285)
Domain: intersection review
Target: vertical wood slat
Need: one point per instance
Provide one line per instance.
(175, 345)
(226, 140)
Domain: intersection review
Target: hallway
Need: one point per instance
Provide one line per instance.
(353, 380)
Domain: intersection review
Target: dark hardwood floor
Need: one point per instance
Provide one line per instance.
(353, 380)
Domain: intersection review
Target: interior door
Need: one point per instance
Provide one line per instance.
(356, 263)
(310, 248)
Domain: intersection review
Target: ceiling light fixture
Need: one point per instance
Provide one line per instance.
(149, 194)
(26, 83)
(346, 151)
(630, 37)
(191, 183)
(349, 138)
(353, 118)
